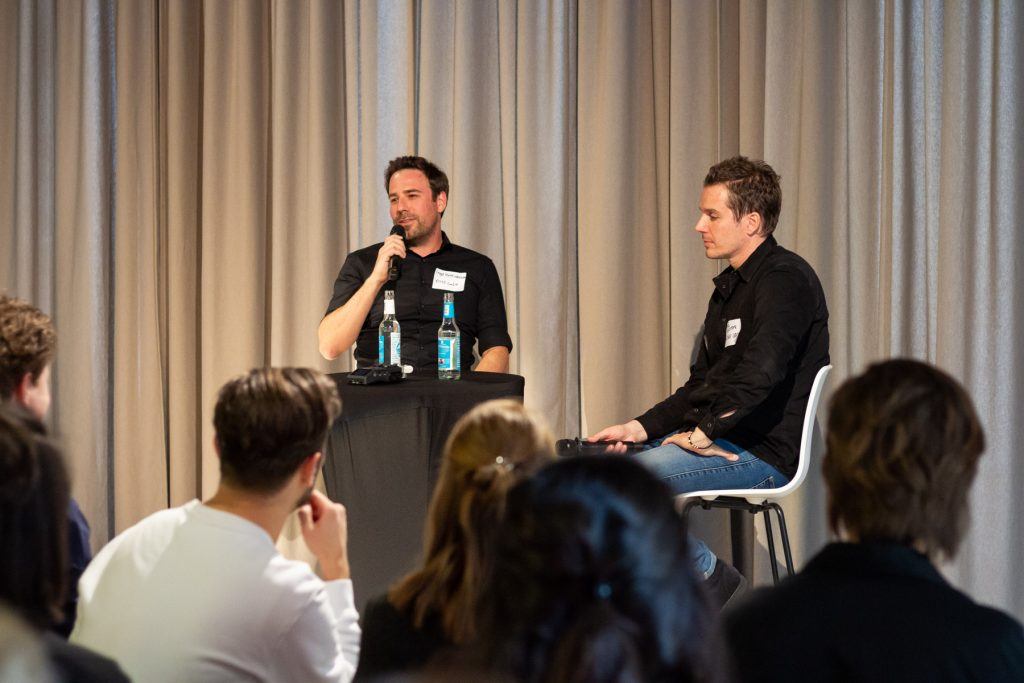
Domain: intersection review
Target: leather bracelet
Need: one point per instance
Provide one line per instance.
(694, 446)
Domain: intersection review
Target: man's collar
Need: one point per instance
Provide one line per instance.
(446, 244)
(874, 558)
(726, 281)
(754, 261)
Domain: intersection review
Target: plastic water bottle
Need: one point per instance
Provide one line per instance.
(389, 334)
(449, 358)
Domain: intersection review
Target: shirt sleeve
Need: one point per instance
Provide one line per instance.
(668, 415)
(323, 644)
(492, 323)
(350, 278)
(784, 309)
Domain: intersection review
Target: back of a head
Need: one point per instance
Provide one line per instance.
(268, 421)
(903, 444)
(495, 445)
(28, 342)
(34, 495)
(595, 583)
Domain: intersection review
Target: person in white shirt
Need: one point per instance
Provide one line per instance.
(199, 592)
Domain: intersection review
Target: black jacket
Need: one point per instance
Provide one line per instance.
(871, 612)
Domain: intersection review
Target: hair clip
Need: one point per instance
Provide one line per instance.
(500, 463)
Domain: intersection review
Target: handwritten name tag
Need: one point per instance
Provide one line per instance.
(449, 281)
(732, 331)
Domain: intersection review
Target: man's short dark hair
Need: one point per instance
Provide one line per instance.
(903, 445)
(269, 421)
(753, 186)
(436, 178)
(34, 497)
(27, 343)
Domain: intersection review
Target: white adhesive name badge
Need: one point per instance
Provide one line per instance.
(449, 281)
(732, 331)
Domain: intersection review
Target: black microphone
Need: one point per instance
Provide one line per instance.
(395, 265)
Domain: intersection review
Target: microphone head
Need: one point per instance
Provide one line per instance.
(397, 230)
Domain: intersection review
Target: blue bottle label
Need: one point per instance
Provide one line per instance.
(444, 354)
(380, 349)
(449, 309)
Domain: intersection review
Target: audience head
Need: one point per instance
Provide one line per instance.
(27, 346)
(268, 422)
(753, 188)
(595, 581)
(34, 495)
(903, 445)
(492, 447)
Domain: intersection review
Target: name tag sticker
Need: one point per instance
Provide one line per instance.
(449, 281)
(732, 331)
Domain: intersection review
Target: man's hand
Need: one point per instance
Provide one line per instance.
(393, 246)
(325, 528)
(631, 431)
(691, 440)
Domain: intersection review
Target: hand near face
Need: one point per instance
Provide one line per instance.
(324, 526)
(393, 246)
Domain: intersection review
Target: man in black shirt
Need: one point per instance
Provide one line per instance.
(737, 421)
(431, 266)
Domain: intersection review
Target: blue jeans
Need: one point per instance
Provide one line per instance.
(686, 472)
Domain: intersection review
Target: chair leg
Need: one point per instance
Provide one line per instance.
(785, 537)
(771, 547)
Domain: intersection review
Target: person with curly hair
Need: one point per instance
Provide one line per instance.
(28, 344)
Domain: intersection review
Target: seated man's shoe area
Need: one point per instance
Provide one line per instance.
(725, 585)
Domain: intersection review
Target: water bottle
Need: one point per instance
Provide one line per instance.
(449, 358)
(389, 334)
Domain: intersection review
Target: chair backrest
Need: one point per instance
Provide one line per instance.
(807, 437)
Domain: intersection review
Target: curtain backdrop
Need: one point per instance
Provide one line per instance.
(181, 180)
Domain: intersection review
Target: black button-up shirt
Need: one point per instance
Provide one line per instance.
(479, 307)
(765, 338)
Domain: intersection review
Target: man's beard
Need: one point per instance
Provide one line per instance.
(418, 232)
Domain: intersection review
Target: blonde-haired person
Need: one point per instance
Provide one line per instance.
(494, 446)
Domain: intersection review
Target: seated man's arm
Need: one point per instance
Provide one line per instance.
(352, 300)
(494, 359)
(492, 336)
(785, 305)
(324, 641)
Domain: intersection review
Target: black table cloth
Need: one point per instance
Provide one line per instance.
(383, 455)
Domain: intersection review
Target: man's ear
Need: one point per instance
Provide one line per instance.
(23, 389)
(441, 201)
(310, 468)
(752, 224)
(216, 447)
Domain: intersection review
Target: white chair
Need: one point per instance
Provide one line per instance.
(765, 500)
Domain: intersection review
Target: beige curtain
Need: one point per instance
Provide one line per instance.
(180, 181)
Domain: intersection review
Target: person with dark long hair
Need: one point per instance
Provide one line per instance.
(494, 446)
(594, 583)
(34, 494)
